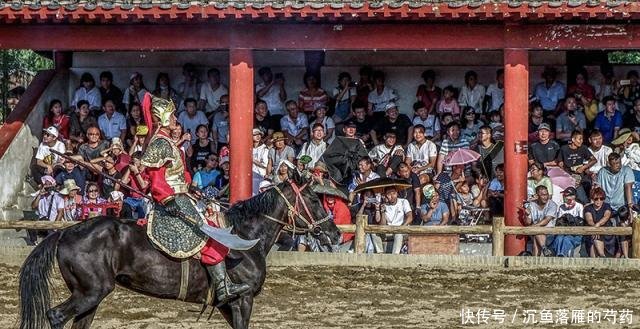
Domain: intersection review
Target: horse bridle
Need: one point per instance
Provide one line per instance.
(293, 213)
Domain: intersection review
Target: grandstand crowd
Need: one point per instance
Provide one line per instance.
(584, 161)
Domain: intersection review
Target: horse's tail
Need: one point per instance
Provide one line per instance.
(34, 284)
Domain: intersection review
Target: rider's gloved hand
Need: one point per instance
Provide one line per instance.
(196, 191)
(172, 208)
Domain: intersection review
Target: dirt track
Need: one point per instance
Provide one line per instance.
(377, 298)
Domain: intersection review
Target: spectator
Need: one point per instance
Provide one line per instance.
(465, 201)
(48, 204)
(470, 125)
(421, 153)
(397, 212)
(211, 91)
(414, 193)
(201, 149)
(279, 152)
(494, 98)
(207, 175)
(434, 212)
(320, 174)
(271, 91)
(190, 85)
(265, 122)
(387, 156)
(630, 155)
(368, 205)
(445, 183)
(337, 209)
(583, 92)
(109, 91)
(80, 121)
(345, 95)
(428, 93)
(191, 118)
(472, 93)
(72, 172)
(181, 138)
(545, 150)
(538, 177)
(563, 245)
(222, 181)
(428, 120)
(135, 92)
(496, 192)
(47, 163)
(282, 171)
(92, 203)
(364, 174)
(295, 125)
(570, 120)
(315, 147)
(87, 91)
(365, 86)
(617, 182)
(326, 122)
(609, 121)
(497, 125)
(599, 214)
(137, 177)
(449, 104)
(260, 153)
(629, 89)
(599, 151)
(380, 96)
(576, 160)
(72, 201)
(363, 124)
(541, 213)
(134, 120)
(393, 122)
(112, 123)
(632, 119)
(536, 118)
(312, 95)
(107, 165)
(94, 145)
(451, 142)
(163, 89)
(220, 128)
(491, 153)
(549, 92)
(116, 150)
(56, 118)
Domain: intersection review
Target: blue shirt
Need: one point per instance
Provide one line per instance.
(205, 178)
(607, 125)
(438, 213)
(549, 97)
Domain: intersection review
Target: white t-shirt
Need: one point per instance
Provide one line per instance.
(601, 158)
(272, 97)
(45, 201)
(347, 94)
(422, 153)
(381, 150)
(379, 101)
(472, 98)
(431, 124)
(261, 155)
(191, 124)
(313, 150)
(576, 211)
(395, 213)
(92, 96)
(45, 154)
(550, 209)
(328, 123)
(212, 96)
(294, 128)
(497, 96)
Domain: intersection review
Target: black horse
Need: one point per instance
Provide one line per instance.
(96, 255)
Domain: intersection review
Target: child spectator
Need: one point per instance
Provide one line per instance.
(496, 192)
(201, 149)
(207, 175)
(449, 104)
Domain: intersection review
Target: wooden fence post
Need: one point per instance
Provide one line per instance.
(360, 238)
(635, 238)
(497, 235)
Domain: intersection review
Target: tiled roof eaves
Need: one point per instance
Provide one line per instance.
(102, 11)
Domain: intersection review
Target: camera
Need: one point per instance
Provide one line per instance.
(372, 200)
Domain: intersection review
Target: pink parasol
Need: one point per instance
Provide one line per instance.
(561, 178)
(461, 157)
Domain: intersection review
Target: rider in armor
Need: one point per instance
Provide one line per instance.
(175, 225)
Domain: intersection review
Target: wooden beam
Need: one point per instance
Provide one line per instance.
(566, 230)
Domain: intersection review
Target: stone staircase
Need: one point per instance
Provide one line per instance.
(19, 210)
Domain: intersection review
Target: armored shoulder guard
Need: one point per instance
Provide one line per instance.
(158, 152)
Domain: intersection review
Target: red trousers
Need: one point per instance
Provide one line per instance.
(213, 251)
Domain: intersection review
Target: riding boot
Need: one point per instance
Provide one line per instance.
(225, 289)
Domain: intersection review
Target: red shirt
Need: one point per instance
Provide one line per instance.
(341, 216)
(62, 122)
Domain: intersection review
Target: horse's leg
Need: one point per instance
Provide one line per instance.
(84, 320)
(241, 312)
(80, 307)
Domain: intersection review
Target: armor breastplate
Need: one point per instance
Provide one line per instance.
(163, 152)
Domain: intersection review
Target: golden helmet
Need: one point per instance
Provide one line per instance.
(159, 108)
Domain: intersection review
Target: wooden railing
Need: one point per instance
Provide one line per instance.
(497, 231)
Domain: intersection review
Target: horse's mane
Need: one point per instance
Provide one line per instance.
(263, 203)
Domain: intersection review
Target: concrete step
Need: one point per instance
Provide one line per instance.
(11, 214)
(23, 201)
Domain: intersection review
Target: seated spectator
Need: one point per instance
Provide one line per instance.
(630, 156)
(380, 96)
(369, 206)
(134, 120)
(191, 118)
(421, 152)
(428, 93)
(599, 151)
(609, 121)
(134, 92)
(115, 204)
(320, 174)
(94, 145)
(549, 92)
(295, 126)
(137, 177)
(92, 203)
(279, 152)
(541, 213)
(271, 91)
(222, 181)
(311, 96)
(326, 122)
(617, 182)
(414, 193)
(538, 177)
(387, 156)
(281, 173)
(72, 172)
(163, 89)
(87, 91)
(632, 118)
(116, 150)
(397, 212)
(48, 163)
(206, 176)
(470, 125)
(181, 138)
(265, 122)
(339, 212)
(494, 98)
(190, 85)
(80, 122)
(56, 118)
(496, 192)
(365, 85)
(576, 160)
(428, 120)
(364, 174)
(112, 123)
(434, 212)
(584, 93)
(491, 152)
(48, 204)
(211, 91)
(472, 93)
(599, 214)
(545, 150)
(536, 118)
(109, 91)
(393, 122)
(449, 104)
(563, 245)
(107, 165)
(72, 200)
(260, 153)
(316, 146)
(570, 120)
(464, 201)
(450, 143)
(496, 124)
(345, 95)
(363, 124)
(201, 149)
(629, 90)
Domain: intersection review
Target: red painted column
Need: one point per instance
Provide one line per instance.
(241, 123)
(516, 105)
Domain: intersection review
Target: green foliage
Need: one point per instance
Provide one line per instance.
(18, 64)
(624, 57)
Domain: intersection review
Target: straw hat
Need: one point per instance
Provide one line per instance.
(142, 130)
(117, 143)
(623, 135)
(278, 136)
(69, 185)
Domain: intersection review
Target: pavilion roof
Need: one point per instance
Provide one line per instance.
(182, 11)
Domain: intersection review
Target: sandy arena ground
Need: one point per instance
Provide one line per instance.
(381, 298)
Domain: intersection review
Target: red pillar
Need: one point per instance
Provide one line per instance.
(241, 123)
(516, 105)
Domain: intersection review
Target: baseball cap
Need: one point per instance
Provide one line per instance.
(390, 105)
(570, 191)
(258, 131)
(53, 131)
(351, 124)
(544, 126)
